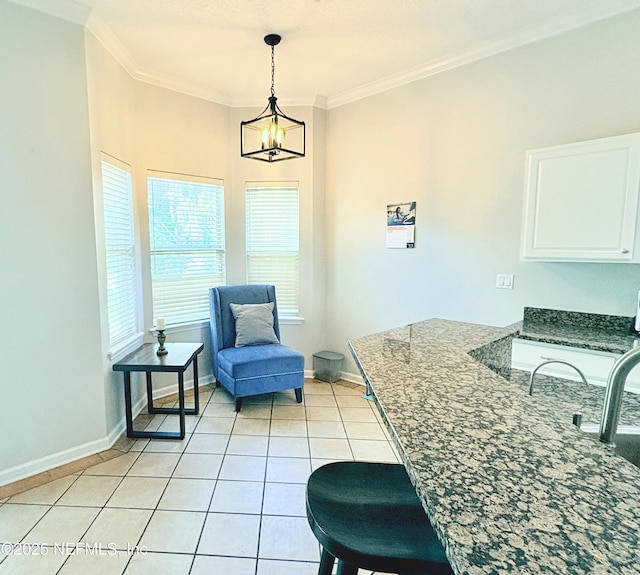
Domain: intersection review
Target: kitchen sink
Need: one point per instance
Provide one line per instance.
(627, 442)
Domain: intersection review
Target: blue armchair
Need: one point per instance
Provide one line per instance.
(247, 357)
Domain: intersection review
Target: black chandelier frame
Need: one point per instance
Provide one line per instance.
(252, 144)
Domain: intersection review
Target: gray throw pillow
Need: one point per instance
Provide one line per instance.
(254, 323)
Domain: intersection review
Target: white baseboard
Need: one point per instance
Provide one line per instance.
(350, 377)
(48, 462)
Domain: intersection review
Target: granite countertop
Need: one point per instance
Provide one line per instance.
(510, 485)
(565, 397)
(585, 330)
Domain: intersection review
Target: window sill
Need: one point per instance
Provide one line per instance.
(125, 347)
(180, 327)
(204, 324)
(290, 319)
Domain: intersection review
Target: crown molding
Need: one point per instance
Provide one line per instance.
(203, 93)
(63, 9)
(320, 102)
(73, 12)
(70, 11)
(181, 86)
(262, 102)
(112, 44)
(572, 20)
(103, 33)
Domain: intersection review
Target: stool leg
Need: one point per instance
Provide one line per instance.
(326, 563)
(345, 568)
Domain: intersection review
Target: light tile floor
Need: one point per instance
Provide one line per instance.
(228, 499)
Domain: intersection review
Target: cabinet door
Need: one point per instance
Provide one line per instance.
(581, 201)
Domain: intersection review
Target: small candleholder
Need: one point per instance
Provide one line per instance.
(162, 350)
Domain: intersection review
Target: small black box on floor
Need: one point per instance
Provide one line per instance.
(327, 365)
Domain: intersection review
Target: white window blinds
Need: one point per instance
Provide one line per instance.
(272, 236)
(122, 299)
(186, 233)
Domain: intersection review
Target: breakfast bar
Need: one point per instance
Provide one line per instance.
(510, 485)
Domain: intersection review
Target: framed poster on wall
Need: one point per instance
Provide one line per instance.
(401, 225)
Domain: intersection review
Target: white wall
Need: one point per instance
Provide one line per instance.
(50, 369)
(183, 135)
(456, 143)
(111, 98)
(148, 128)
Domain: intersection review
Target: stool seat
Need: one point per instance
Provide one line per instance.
(368, 516)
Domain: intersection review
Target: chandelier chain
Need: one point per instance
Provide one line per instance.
(273, 71)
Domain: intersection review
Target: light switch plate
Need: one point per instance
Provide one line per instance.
(504, 281)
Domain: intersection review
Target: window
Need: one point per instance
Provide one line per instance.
(272, 228)
(122, 281)
(186, 233)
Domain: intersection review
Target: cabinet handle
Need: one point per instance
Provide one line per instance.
(624, 251)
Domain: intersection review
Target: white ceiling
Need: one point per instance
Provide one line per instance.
(332, 51)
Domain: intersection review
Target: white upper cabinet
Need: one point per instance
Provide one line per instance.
(581, 201)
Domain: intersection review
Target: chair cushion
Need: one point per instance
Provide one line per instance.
(254, 323)
(259, 360)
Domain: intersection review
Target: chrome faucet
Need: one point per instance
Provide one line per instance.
(614, 393)
(552, 360)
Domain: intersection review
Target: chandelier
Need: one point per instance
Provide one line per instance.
(272, 136)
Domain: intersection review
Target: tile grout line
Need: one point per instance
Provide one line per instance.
(164, 490)
(271, 441)
(215, 485)
(264, 482)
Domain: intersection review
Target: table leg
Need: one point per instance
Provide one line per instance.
(149, 434)
(149, 393)
(196, 388)
(181, 403)
(127, 403)
(196, 396)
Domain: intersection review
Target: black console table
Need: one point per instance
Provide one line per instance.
(179, 358)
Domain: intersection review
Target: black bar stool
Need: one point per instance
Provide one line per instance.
(368, 516)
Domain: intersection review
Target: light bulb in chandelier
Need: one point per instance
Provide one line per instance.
(272, 136)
